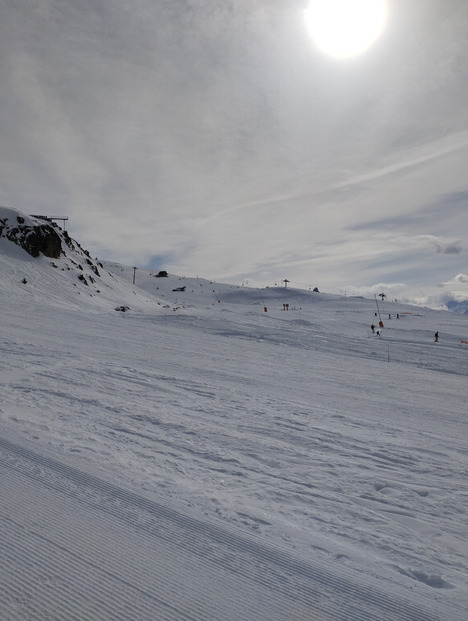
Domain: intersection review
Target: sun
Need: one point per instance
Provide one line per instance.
(345, 28)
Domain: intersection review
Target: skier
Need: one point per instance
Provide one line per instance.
(381, 323)
(372, 328)
(436, 337)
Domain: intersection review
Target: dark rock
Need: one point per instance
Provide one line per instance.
(36, 239)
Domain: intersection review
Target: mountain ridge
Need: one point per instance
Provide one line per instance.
(34, 249)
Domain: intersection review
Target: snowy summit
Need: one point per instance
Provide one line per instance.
(175, 448)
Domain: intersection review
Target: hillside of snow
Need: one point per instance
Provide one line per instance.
(220, 452)
(71, 278)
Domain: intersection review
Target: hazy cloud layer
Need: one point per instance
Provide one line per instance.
(214, 137)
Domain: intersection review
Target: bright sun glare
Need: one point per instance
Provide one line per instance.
(345, 28)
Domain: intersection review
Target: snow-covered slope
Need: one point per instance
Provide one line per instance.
(71, 278)
(221, 452)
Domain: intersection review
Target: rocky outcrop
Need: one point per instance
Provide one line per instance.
(34, 238)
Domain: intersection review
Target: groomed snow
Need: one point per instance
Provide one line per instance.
(196, 457)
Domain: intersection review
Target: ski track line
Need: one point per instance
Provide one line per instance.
(104, 590)
(307, 583)
(115, 587)
(262, 605)
(282, 609)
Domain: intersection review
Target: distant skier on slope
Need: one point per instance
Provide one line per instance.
(436, 337)
(372, 328)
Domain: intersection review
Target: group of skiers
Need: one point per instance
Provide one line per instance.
(436, 335)
(373, 328)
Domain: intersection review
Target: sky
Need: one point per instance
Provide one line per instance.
(215, 139)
